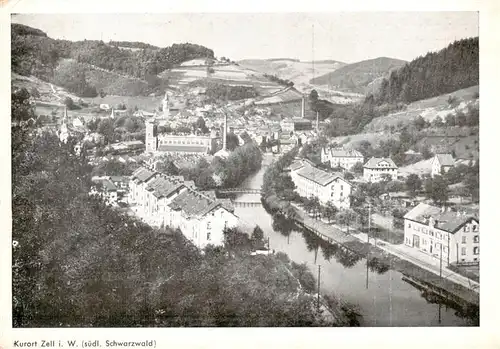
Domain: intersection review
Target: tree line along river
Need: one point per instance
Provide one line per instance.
(388, 300)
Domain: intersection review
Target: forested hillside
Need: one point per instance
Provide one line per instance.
(33, 53)
(454, 67)
(357, 76)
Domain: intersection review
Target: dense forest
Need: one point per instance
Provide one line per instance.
(132, 44)
(454, 67)
(77, 262)
(33, 53)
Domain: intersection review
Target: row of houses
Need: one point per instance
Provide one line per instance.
(171, 201)
(376, 169)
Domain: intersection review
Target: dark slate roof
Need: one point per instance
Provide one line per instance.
(193, 203)
(374, 163)
(106, 184)
(183, 148)
(142, 174)
(448, 221)
(163, 187)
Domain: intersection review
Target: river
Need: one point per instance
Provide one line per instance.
(388, 301)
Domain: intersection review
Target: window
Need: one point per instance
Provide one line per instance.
(208, 236)
(476, 250)
(464, 251)
(476, 239)
(431, 233)
(475, 259)
(409, 225)
(208, 226)
(445, 249)
(464, 239)
(474, 228)
(424, 230)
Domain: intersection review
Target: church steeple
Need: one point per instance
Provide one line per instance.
(165, 105)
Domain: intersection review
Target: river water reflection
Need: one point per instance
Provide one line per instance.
(388, 301)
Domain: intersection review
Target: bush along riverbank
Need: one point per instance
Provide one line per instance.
(276, 201)
(295, 282)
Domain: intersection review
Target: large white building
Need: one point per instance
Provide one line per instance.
(341, 157)
(326, 186)
(377, 168)
(173, 202)
(443, 234)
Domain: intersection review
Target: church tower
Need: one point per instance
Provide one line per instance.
(64, 133)
(151, 137)
(166, 106)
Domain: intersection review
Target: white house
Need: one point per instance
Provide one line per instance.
(341, 157)
(443, 234)
(375, 169)
(326, 186)
(441, 164)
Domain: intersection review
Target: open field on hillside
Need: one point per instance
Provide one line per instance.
(427, 108)
(49, 93)
(298, 72)
(227, 74)
(301, 73)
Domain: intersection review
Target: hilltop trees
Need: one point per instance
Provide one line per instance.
(33, 53)
(452, 68)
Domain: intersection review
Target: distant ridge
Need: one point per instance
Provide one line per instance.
(357, 76)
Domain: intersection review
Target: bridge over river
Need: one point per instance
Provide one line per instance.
(239, 191)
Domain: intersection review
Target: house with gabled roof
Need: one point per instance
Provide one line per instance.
(376, 169)
(452, 237)
(341, 157)
(326, 186)
(441, 163)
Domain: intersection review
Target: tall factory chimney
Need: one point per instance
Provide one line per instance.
(303, 109)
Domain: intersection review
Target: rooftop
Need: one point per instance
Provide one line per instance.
(448, 220)
(193, 203)
(162, 186)
(182, 148)
(380, 163)
(319, 176)
(142, 174)
(343, 152)
(445, 159)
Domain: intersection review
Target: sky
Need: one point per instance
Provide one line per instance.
(343, 36)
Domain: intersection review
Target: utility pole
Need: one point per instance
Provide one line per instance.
(440, 278)
(319, 278)
(368, 239)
